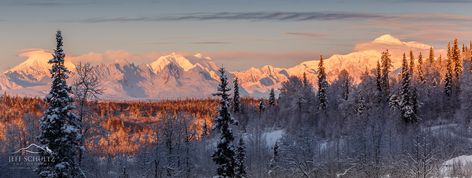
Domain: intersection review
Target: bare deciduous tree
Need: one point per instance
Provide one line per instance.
(86, 86)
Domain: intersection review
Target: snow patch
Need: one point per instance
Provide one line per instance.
(460, 163)
(273, 136)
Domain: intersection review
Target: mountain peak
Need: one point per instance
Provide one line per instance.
(173, 58)
(200, 56)
(37, 60)
(387, 38)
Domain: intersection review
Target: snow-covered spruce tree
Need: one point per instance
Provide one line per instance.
(236, 99)
(412, 64)
(261, 105)
(378, 76)
(448, 80)
(431, 70)
(60, 128)
(457, 60)
(419, 69)
(224, 156)
(469, 52)
(272, 97)
(405, 103)
(322, 86)
(273, 164)
(306, 84)
(464, 99)
(346, 82)
(431, 56)
(414, 103)
(386, 65)
(241, 159)
(439, 62)
(306, 91)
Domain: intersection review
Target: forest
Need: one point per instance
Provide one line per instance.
(407, 122)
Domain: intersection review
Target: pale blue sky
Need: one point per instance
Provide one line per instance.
(236, 33)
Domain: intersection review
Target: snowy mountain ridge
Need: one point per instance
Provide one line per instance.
(176, 76)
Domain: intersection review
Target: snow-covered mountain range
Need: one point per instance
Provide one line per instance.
(177, 76)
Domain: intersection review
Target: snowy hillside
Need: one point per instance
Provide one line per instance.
(177, 76)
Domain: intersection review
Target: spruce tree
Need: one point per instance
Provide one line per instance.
(419, 69)
(306, 84)
(274, 161)
(470, 56)
(224, 154)
(457, 61)
(241, 159)
(386, 65)
(322, 86)
(448, 80)
(406, 105)
(236, 98)
(261, 105)
(449, 51)
(345, 79)
(439, 62)
(299, 103)
(414, 103)
(431, 68)
(412, 64)
(272, 97)
(405, 74)
(469, 52)
(60, 127)
(275, 152)
(306, 90)
(431, 56)
(378, 76)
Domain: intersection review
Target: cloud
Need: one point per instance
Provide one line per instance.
(433, 28)
(439, 35)
(251, 16)
(277, 16)
(46, 4)
(30, 52)
(210, 42)
(419, 17)
(111, 56)
(51, 3)
(440, 1)
(242, 60)
(306, 34)
(371, 18)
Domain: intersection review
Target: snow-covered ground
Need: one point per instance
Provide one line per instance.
(273, 136)
(458, 164)
(268, 137)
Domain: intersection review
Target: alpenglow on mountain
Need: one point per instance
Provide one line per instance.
(176, 76)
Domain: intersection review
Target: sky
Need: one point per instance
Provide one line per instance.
(236, 33)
